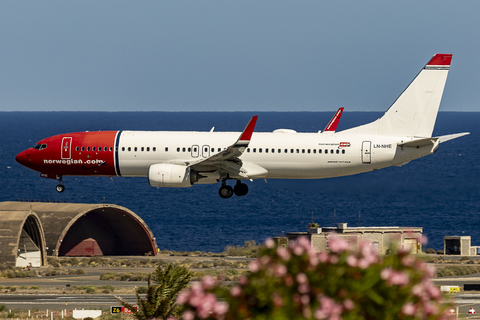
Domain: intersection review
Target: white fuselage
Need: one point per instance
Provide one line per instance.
(282, 155)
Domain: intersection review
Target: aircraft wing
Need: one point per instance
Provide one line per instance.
(227, 160)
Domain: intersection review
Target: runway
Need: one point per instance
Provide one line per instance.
(59, 302)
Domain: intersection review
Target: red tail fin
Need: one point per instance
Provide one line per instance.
(332, 125)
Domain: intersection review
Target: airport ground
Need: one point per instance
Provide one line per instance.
(64, 292)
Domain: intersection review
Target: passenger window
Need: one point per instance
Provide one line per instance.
(88, 148)
(219, 149)
(308, 150)
(148, 149)
(279, 150)
(298, 150)
(259, 150)
(319, 150)
(266, 150)
(343, 151)
(213, 149)
(83, 148)
(273, 150)
(183, 149)
(286, 150)
(178, 149)
(314, 150)
(135, 149)
(189, 149)
(76, 149)
(195, 149)
(303, 150)
(110, 149)
(123, 148)
(254, 149)
(326, 151)
(338, 151)
(291, 150)
(331, 151)
(166, 149)
(129, 149)
(248, 149)
(154, 149)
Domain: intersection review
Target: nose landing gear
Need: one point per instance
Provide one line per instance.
(227, 191)
(60, 187)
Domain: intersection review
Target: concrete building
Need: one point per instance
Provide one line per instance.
(115, 230)
(459, 245)
(381, 238)
(22, 241)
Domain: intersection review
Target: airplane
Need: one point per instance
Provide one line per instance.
(179, 159)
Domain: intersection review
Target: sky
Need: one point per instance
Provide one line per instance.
(227, 55)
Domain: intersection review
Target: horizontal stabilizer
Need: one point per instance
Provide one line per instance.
(418, 143)
(442, 139)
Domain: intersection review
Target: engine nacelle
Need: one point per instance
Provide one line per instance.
(170, 176)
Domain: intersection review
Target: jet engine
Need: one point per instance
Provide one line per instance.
(170, 175)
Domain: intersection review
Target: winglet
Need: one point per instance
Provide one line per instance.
(247, 132)
(332, 125)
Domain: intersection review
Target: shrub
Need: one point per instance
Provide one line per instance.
(34, 288)
(53, 262)
(430, 251)
(142, 290)
(80, 271)
(299, 283)
(3, 308)
(109, 276)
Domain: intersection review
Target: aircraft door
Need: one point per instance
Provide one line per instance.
(366, 152)
(206, 151)
(67, 148)
(195, 151)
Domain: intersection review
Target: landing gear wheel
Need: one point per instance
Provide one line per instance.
(240, 189)
(225, 192)
(60, 188)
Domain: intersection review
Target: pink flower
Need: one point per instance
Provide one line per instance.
(348, 304)
(305, 299)
(269, 243)
(277, 299)
(394, 277)
(298, 251)
(182, 298)
(236, 291)
(304, 288)
(188, 315)
(283, 253)
(208, 282)
(302, 278)
(280, 270)
(254, 266)
(221, 308)
(408, 309)
(337, 244)
(352, 261)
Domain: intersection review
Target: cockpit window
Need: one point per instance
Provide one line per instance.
(41, 146)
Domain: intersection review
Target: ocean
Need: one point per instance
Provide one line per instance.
(439, 192)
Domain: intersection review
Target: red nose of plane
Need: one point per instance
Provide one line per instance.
(23, 158)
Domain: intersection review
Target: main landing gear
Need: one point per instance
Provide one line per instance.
(60, 187)
(227, 191)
